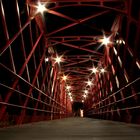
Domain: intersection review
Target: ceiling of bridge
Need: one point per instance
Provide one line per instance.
(74, 28)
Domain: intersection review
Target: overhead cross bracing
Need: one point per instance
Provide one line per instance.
(55, 53)
(75, 30)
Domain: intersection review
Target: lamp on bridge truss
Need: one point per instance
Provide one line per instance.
(64, 78)
(41, 8)
(94, 70)
(68, 87)
(58, 59)
(102, 70)
(89, 83)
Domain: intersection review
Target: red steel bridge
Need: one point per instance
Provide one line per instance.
(60, 57)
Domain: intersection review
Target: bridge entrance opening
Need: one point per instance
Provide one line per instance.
(77, 108)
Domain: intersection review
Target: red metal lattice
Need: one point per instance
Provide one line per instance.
(31, 85)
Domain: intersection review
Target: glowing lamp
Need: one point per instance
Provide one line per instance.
(94, 70)
(105, 40)
(64, 77)
(41, 8)
(58, 59)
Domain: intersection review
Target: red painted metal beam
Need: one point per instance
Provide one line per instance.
(74, 40)
(88, 44)
(20, 73)
(75, 63)
(24, 94)
(81, 1)
(76, 71)
(31, 88)
(76, 37)
(77, 22)
(61, 15)
(39, 96)
(116, 8)
(15, 36)
(79, 56)
(78, 47)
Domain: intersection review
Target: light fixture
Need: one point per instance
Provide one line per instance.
(94, 70)
(89, 83)
(71, 100)
(68, 87)
(46, 59)
(41, 8)
(70, 97)
(64, 78)
(102, 70)
(123, 42)
(120, 41)
(84, 95)
(117, 41)
(58, 59)
(69, 93)
(106, 40)
(82, 101)
(86, 91)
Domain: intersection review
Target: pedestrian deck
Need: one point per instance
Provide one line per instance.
(73, 129)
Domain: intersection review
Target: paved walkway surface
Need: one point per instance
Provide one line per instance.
(73, 129)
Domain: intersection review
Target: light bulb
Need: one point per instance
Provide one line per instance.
(94, 70)
(105, 40)
(58, 59)
(41, 8)
(64, 77)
